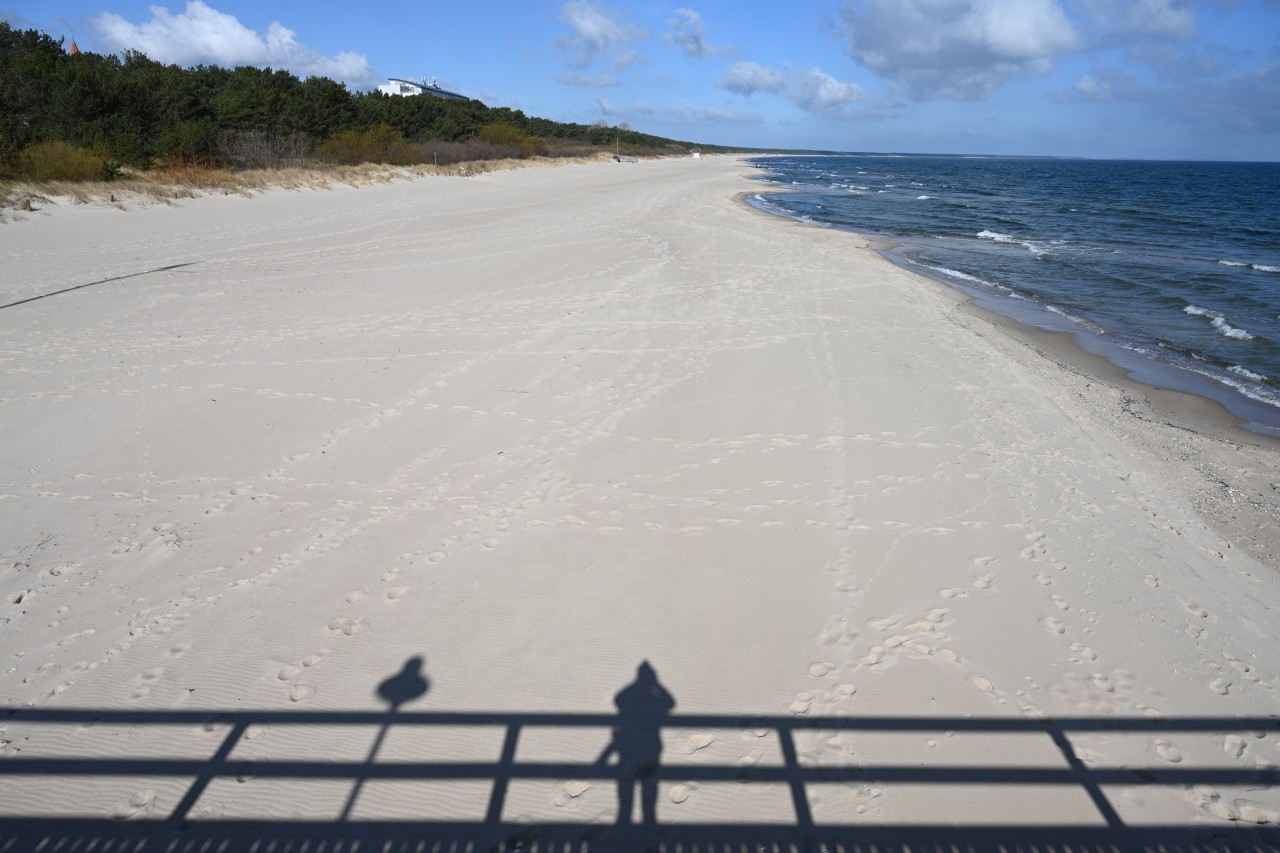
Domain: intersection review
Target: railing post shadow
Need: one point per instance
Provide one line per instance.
(799, 799)
(1081, 772)
(502, 775)
(211, 772)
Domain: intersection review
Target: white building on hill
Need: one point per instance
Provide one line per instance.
(396, 86)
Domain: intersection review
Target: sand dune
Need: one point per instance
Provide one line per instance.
(538, 429)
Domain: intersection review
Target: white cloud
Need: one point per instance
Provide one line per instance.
(1175, 19)
(684, 30)
(16, 21)
(960, 49)
(1104, 83)
(588, 81)
(712, 115)
(817, 91)
(597, 32)
(202, 35)
(811, 89)
(1247, 103)
(1174, 63)
(746, 78)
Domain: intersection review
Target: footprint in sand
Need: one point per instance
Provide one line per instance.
(836, 630)
(570, 791)
(1053, 625)
(680, 793)
(1236, 664)
(983, 684)
(344, 625)
(137, 803)
(698, 742)
(1220, 686)
(1084, 652)
(801, 704)
(1168, 751)
(883, 624)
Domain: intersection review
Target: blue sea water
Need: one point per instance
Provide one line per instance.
(1171, 270)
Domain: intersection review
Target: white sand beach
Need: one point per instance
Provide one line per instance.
(539, 428)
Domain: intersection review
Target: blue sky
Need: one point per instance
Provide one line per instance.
(1164, 79)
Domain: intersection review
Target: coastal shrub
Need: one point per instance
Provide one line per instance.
(61, 161)
(471, 151)
(379, 144)
(256, 149)
(517, 141)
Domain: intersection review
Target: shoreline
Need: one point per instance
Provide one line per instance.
(1255, 414)
(1180, 427)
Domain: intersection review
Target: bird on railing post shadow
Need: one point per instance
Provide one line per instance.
(643, 706)
(406, 685)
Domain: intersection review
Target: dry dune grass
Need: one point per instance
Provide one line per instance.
(166, 184)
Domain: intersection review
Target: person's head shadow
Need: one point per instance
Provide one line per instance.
(406, 685)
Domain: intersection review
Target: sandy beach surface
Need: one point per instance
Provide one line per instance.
(433, 510)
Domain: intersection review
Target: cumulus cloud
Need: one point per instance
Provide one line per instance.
(588, 81)
(16, 21)
(958, 49)
(817, 91)
(685, 31)
(1247, 102)
(747, 78)
(712, 115)
(1176, 62)
(598, 32)
(811, 89)
(202, 35)
(1104, 83)
(1175, 19)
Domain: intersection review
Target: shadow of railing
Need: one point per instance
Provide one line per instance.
(179, 831)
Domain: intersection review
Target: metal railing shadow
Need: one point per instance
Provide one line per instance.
(180, 832)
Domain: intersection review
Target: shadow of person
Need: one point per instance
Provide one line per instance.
(643, 706)
(405, 686)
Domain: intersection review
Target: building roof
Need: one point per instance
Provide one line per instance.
(421, 87)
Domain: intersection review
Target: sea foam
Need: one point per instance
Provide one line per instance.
(1219, 322)
(1247, 373)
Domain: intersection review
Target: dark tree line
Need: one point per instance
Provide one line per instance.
(139, 112)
